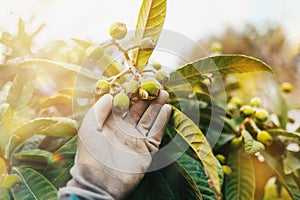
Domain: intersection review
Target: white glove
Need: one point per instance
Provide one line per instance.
(113, 153)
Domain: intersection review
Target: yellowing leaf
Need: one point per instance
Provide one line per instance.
(150, 22)
(52, 126)
(3, 169)
(190, 132)
(222, 64)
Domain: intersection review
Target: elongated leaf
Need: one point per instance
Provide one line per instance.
(251, 146)
(286, 180)
(276, 132)
(290, 164)
(67, 66)
(55, 100)
(150, 22)
(196, 172)
(241, 184)
(4, 194)
(189, 131)
(55, 126)
(35, 155)
(153, 186)
(223, 64)
(20, 93)
(60, 163)
(33, 185)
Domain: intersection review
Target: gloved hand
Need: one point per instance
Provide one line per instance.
(113, 153)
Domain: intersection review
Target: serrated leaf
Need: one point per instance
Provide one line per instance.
(152, 186)
(241, 184)
(222, 64)
(50, 126)
(60, 163)
(76, 69)
(33, 185)
(36, 155)
(150, 22)
(251, 146)
(276, 132)
(190, 167)
(286, 180)
(190, 132)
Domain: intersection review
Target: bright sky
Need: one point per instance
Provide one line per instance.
(90, 19)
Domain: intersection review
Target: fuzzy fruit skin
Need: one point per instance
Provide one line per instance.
(147, 43)
(255, 102)
(121, 103)
(94, 53)
(246, 110)
(286, 87)
(102, 87)
(261, 115)
(227, 170)
(236, 100)
(118, 30)
(162, 77)
(221, 158)
(149, 89)
(236, 143)
(131, 87)
(265, 138)
(156, 65)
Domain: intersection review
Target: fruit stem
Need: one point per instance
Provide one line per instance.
(149, 70)
(132, 47)
(120, 48)
(113, 79)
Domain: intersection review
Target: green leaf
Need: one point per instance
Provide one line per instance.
(10, 180)
(20, 93)
(194, 173)
(35, 155)
(150, 22)
(56, 100)
(241, 184)
(223, 64)
(276, 132)
(153, 186)
(251, 146)
(50, 126)
(4, 194)
(33, 185)
(286, 180)
(76, 69)
(190, 132)
(290, 164)
(60, 163)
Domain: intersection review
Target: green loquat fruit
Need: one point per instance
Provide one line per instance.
(118, 30)
(102, 87)
(286, 87)
(246, 110)
(121, 103)
(156, 65)
(147, 43)
(261, 115)
(149, 89)
(255, 102)
(264, 137)
(162, 77)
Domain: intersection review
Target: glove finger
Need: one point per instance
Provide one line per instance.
(149, 116)
(136, 111)
(97, 114)
(159, 126)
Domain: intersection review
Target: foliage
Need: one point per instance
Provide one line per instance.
(38, 131)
